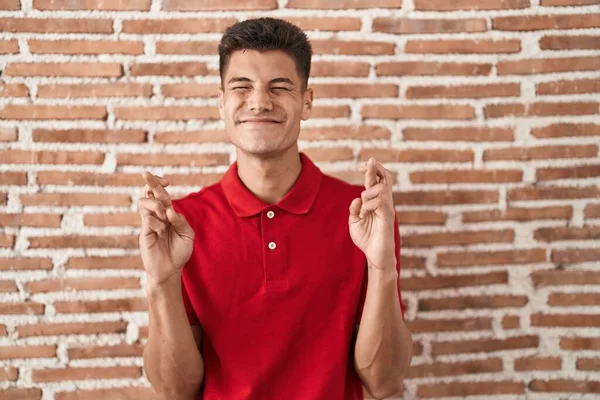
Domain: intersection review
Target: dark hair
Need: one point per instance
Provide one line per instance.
(264, 34)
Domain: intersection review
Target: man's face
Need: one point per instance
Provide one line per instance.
(262, 101)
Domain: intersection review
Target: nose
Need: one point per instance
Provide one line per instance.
(259, 101)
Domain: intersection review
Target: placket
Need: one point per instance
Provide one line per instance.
(274, 249)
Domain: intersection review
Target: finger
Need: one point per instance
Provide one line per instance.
(369, 206)
(152, 225)
(382, 173)
(372, 192)
(355, 210)
(371, 174)
(152, 207)
(157, 189)
(179, 223)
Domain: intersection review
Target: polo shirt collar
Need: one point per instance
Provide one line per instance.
(298, 200)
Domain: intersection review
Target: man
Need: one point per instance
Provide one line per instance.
(278, 282)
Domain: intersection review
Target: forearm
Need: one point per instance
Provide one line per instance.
(172, 360)
(383, 347)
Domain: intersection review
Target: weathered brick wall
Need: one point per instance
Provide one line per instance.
(487, 112)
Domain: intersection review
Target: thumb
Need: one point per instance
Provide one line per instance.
(179, 223)
(355, 210)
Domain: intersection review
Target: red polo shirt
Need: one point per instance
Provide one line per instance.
(277, 288)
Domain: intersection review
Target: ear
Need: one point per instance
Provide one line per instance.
(307, 100)
(221, 106)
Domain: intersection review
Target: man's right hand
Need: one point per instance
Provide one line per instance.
(166, 240)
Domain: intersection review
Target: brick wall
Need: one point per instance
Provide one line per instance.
(487, 112)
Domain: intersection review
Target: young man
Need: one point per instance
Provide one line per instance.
(278, 282)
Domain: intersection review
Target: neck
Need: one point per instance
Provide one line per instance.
(269, 178)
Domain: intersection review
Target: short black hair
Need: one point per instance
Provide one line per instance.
(264, 34)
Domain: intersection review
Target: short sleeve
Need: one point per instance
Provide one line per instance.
(363, 292)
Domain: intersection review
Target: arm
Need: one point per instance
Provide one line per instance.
(383, 347)
(172, 359)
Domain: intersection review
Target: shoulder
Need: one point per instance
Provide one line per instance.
(340, 188)
(194, 203)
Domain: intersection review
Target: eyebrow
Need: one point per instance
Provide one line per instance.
(236, 79)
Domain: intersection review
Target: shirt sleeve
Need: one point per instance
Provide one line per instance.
(363, 293)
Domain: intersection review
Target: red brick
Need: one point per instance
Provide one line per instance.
(121, 350)
(538, 364)
(548, 3)
(102, 306)
(179, 25)
(548, 65)
(104, 5)
(8, 374)
(551, 278)
(218, 5)
(100, 70)
(592, 211)
(347, 47)
(120, 179)
(7, 240)
(166, 113)
(169, 69)
(330, 154)
(570, 42)
(330, 112)
(511, 322)
(125, 393)
(56, 25)
(458, 238)
(464, 91)
(441, 5)
(335, 68)
(95, 90)
(344, 4)
(540, 22)
(569, 87)
(461, 134)
(69, 374)
(90, 135)
(353, 177)
(187, 47)
(358, 90)
(188, 160)
(354, 132)
(457, 389)
(75, 199)
(427, 68)
(30, 219)
(78, 284)
(115, 262)
(574, 172)
(184, 137)
(21, 394)
(8, 134)
(540, 152)
(72, 328)
(463, 46)
(458, 368)
(560, 233)
(113, 219)
(77, 47)
(519, 214)
(22, 308)
(580, 343)
(8, 286)
(187, 90)
(574, 256)
(588, 364)
(553, 192)
(564, 385)
(472, 302)
(416, 155)
(539, 109)
(449, 325)
(421, 218)
(466, 176)
(13, 178)
(510, 257)
(43, 112)
(413, 25)
(567, 320)
(566, 130)
(18, 352)
(453, 112)
(14, 90)
(454, 281)
(51, 157)
(84, 242)
(10, 5)
(573, 299)
(10, 46)
(446, 197)
(326, 24)
(484, 345)
(25, 263)
(412, 262)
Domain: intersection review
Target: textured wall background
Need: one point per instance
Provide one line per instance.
(487, 111)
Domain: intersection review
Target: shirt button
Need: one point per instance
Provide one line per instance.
(272, 245)
(270, 214)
